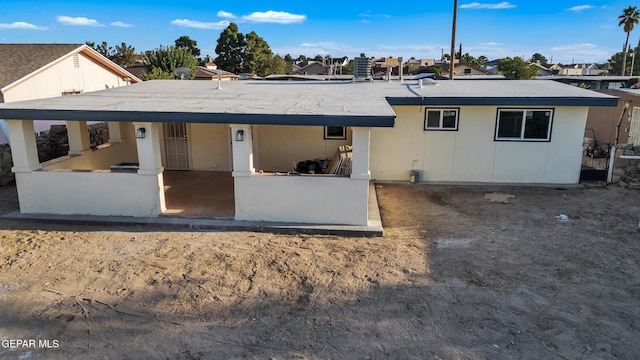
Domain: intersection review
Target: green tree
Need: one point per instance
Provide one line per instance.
(165, 60)
(537, 57)
(157, 74)
(257, 55)
(230, 49)
(105, 50)
(288, 59)
(318, 58)
(124, 55)
(516, 69)
(186, 42)
(480, 60)
(629, 18)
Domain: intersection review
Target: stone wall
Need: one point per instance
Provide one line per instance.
(52, 144)
(6, 176)
(626, 172)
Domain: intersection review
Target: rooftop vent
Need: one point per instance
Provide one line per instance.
(362, 69)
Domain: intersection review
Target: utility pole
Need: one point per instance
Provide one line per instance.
(453, 40)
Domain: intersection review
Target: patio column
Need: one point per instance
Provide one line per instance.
(149, 159)
(24, 150)
(242, 150)
(78, 133)
(115, 131)
(360, 161)
(148, 143)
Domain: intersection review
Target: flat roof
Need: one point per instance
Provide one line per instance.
(321, 103)
(496, 93)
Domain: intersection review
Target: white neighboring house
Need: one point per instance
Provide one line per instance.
(490, 131)
(36, 71)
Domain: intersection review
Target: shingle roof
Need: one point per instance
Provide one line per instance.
(19, 60)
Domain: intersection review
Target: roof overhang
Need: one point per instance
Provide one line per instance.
(503, 101)
(236, 102)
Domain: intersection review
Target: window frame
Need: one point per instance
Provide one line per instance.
(522, 137)
(335, 137)
(441, 123)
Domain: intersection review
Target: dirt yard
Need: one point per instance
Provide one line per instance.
(454, 277)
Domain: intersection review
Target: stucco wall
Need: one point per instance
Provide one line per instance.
(64, 76)
(89, 193)
(471, 154)
(103, 158)
(303, 199)
(276, 148)
(210, 146)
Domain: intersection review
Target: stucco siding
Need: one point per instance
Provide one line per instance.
(89, 193)
(278, 147)
(303, 199)
(470, 154)
(65, 76)
(210, 146)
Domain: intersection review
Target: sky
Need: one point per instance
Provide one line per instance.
(581, 31)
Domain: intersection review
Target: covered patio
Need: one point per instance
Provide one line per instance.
(135, 115)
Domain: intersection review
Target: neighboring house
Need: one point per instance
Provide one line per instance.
(384, 65)
(577, 70)
(542, 70)
(602, 122)
(462, 70)
(310, 68)
(34, 71)
(591, 82)
(491, 66)
(528, 132)
(203, 73)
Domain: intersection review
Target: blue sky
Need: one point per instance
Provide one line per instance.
(563, 31)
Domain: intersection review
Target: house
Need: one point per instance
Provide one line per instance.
(576, 70)
(310, 68)
(448, 131)
(33, 71)
(602, 122)
(542, 70)
(491, 66)
(591, 82)
(204, 73)
(463, 70)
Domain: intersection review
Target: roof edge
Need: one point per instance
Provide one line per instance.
(202, 118)
(504, 101)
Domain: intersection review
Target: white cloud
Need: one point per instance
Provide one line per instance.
(226, 15)
(476, 5)
(77, 21)
(121, 24)
(277, 17)
(580, 8)
(491, 43)
(22, 26)
(365, 21)
(201, 25)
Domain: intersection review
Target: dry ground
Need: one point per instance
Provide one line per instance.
(454, 277)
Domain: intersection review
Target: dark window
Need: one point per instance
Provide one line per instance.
(528, 125)
(335, 132)
(441, 119)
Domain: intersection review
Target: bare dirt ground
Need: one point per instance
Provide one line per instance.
(454, 277)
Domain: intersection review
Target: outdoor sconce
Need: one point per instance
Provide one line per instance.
(240, 135)
(141, 133)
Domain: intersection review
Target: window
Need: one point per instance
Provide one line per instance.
(335, 132)
(524, 125)
(441, 119)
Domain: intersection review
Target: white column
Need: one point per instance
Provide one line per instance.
(149, 157)
(24, 150)
(360, 159)
(116, 134)
(78, 133)
(242, 150)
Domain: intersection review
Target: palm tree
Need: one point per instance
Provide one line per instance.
(629, 18)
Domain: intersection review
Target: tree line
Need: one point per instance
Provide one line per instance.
(250, 53)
